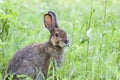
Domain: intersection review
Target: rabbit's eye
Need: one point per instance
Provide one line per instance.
(56, 34)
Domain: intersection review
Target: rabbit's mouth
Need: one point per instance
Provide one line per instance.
(63, 43)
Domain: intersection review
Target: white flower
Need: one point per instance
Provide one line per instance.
(89, 33)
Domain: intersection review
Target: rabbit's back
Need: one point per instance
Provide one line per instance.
(28, 60)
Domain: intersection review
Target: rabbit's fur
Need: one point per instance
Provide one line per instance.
(36, 58)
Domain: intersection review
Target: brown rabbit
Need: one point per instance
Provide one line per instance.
(35, 59)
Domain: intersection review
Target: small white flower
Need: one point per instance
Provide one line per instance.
(89, 33)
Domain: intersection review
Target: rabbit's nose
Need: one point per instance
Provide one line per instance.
(66, 41)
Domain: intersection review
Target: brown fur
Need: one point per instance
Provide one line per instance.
(36, 58)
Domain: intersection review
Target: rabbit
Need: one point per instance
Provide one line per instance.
(34, 59)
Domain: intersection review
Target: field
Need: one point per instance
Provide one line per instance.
(93, 28)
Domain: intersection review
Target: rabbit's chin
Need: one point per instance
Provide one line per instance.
(62, 44)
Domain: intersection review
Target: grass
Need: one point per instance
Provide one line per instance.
(90, 56)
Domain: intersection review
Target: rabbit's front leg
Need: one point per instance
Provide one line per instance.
(57, 61)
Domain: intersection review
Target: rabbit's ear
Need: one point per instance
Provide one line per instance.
(54, 21)
(48, 22)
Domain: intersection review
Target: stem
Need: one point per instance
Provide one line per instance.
(91, 14)
(105, 12)
(88, 44)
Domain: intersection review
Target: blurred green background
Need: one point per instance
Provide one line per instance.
(93, 28)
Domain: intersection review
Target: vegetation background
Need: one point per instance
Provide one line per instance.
(93, 28)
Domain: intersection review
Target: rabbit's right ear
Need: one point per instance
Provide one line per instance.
(48, 22)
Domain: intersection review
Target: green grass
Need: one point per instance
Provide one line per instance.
(87, 58)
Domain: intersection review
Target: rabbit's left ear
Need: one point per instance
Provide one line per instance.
(50, 21)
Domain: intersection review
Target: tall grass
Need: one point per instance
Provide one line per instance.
(93, 30)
